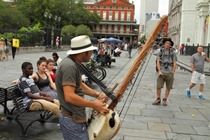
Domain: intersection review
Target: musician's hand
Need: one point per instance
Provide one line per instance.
(100, 107)
(160, 73)
(50, 99)
(102, 97)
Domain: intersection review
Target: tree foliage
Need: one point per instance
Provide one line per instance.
(83, 30)
(11, 18)
(68, 31)
(72, 31)
(69, 11)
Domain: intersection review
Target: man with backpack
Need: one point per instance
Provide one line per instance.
(166, 65)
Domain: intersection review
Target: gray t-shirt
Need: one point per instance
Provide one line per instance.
(198, 61)
(166, 57)
(68, 74)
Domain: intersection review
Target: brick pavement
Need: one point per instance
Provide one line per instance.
(184, 118)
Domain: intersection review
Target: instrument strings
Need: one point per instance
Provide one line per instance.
(137, 75)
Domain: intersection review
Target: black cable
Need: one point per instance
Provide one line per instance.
(94, 79)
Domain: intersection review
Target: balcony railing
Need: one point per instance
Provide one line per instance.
(114, 32)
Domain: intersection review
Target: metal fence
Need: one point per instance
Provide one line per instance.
(190, 50)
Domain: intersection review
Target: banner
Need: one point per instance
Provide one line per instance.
(15, 42)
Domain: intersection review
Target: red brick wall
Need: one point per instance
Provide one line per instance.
(122, 5)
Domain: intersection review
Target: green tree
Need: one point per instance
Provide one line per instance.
(83, 30)
(71, 12)
(31, 35)
(68, 30)
(80, 15)
(11, 17)
(35, 9)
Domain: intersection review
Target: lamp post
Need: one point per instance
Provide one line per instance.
(57, 29)
(48, 17)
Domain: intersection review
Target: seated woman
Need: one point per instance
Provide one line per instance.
(117, 51)
(50, 69)
(43, 79)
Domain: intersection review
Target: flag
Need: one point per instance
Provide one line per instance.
(206, 23)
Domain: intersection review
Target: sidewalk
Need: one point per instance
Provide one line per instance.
(184, 118)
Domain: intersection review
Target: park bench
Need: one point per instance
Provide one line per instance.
(20, 113)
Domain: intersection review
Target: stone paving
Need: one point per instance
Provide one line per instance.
(183, 119)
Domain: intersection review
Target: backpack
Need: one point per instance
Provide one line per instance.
(171, 53)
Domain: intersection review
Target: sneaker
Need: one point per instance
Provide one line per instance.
(201, 97)
(188, 93)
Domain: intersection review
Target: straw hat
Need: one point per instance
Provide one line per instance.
(81, 44)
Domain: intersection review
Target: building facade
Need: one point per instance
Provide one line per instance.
(117, 19)
(147, 7)
(152, 21)
(175, 9)
(189, 22)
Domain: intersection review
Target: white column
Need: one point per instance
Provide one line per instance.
(201, 30)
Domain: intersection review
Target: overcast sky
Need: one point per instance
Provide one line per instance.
(163, 8)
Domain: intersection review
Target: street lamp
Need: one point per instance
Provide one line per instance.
(48, 30)
(57, 28)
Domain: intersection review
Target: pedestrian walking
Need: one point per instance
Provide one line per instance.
(2, 49)
(129, 49)
(166, 65)
(197, 64)
(71, 91)
(181, 49)
(14, 48)
(57, 42)
(7, 50)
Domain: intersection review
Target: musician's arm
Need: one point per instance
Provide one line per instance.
(71, 97)
(89, 91)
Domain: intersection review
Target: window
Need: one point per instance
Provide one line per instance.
(104, 7)
(116, 15)
(99, 13)
(114, 1)
(110, 7)
(104, 15)
(116, 28)
(98, 7)
(103, 28)
(128, 16)
(110, 15)
(110, 28)
(128, 29)
(98, 28)
(121, 28)
(122, 16)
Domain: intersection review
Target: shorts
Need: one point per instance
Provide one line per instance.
(2, 53)
(168, 78)
(196, 76)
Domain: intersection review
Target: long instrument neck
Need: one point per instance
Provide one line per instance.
(138, 61)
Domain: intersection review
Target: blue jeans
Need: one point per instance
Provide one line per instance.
(72, 130)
